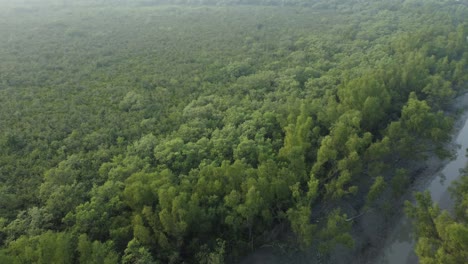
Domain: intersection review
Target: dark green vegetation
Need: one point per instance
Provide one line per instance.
(169, 134)
(442, 238)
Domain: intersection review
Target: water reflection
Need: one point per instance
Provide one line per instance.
(401, 242)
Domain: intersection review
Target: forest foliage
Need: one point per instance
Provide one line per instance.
(155, 133)
(442, 237)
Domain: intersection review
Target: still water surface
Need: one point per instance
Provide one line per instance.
(399, 247)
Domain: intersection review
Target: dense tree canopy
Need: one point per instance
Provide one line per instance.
(442, 237)
(190, 132)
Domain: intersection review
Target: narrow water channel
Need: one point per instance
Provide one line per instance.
(400, 243)
(397, 247)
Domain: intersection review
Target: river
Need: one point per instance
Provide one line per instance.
(381, 240)
(400, 243)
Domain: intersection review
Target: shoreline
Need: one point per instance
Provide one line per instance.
(374, 245)
(373, 230)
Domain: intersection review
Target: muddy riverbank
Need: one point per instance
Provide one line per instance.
(389, 237)
(384, 235)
